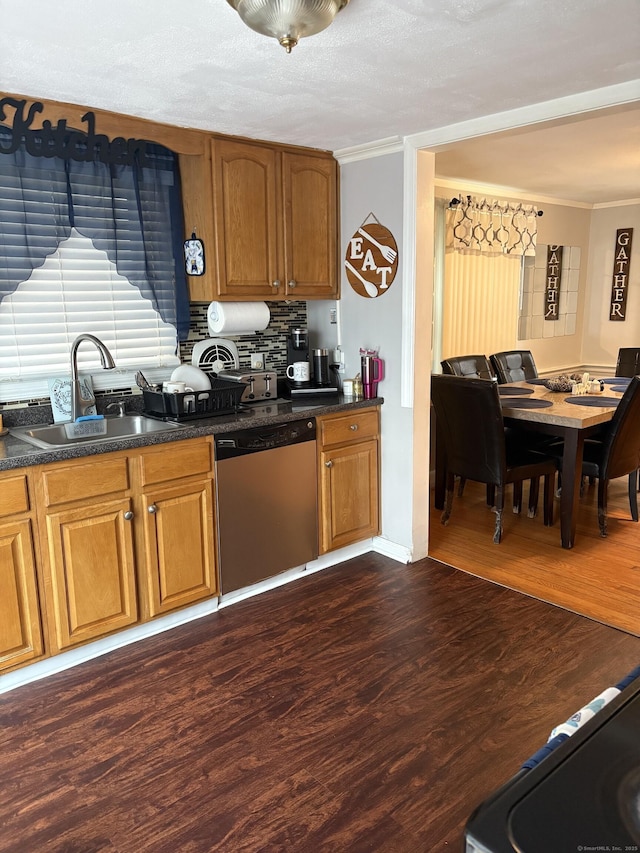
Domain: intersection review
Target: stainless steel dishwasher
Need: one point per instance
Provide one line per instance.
(266, 501)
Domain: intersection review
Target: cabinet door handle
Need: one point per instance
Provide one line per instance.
(328, 464)
(275, 284)
(128, 515)
(354, 427)
(152, 509)
(292, 284)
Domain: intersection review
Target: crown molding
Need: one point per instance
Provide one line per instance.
(608, 96)
(378, 148)
(627, 202)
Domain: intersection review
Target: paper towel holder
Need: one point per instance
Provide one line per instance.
(216, 319)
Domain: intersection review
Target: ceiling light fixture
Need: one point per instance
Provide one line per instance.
(288, 20)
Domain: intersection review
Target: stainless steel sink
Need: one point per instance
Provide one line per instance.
(128, 426)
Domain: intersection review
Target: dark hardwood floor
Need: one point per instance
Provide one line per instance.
(369, 707)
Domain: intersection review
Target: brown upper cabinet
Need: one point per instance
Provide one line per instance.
(274, 224)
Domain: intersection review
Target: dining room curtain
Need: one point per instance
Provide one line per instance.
(491, 227)
(480, 303)
(132, 212)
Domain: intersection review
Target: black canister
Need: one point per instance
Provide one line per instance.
(321, 367)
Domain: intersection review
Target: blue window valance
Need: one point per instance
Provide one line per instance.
(131, 212)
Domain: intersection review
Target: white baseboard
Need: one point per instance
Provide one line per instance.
(340, 555)
(400, 553)
(595, 370)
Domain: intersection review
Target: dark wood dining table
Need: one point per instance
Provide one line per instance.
(563, 419)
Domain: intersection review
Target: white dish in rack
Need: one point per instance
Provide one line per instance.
(195, 378)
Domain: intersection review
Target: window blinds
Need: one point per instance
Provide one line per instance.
(480, 305)
(78, 289)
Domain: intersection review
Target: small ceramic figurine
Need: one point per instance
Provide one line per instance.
(581, 387)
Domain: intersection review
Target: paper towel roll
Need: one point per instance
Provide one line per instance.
(237, 318)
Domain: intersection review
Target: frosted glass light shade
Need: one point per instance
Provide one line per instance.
(288, 20)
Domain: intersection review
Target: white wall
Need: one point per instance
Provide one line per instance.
(601, 337)
(376, 186)
(563, 225)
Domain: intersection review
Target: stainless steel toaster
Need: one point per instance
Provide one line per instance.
(261, 384)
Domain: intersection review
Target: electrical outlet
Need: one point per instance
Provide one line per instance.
(338, 359)
(257, 361)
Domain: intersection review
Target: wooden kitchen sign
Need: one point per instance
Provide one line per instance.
(58, 140)
(620, 284)
(552, 286)
(371, 261)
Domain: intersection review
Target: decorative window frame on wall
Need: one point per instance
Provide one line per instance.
(533, 307)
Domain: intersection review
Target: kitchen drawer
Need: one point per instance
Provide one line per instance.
(176, 460)
(353, 426)
(89, 479)
(14, 495)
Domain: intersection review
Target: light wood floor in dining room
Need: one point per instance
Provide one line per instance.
(598, 578)
(368, 707)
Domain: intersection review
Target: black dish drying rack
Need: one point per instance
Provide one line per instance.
(223, 398)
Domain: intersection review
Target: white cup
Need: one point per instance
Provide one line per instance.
(299, 371)
(175, 387)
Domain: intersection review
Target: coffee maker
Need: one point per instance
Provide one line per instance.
(298, 374)
(303, 378)
(298, 346)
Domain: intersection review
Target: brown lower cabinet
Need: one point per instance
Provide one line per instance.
(176, 548)
(86, 544)
(348, 477)
(20, 623)
(125, 536)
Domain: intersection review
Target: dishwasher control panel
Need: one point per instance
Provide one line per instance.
(256, 439)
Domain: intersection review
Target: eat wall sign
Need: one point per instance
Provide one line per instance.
(620, 284)
(371, 261)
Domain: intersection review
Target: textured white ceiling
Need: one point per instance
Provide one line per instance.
(384, 68)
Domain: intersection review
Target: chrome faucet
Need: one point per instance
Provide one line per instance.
(80, 404)
(119, 405)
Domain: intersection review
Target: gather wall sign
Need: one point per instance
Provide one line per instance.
(620, 283)
(371, 261)
(552, 286)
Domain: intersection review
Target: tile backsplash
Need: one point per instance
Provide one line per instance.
(272, 341)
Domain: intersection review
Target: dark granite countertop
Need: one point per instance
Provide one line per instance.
(15, 453)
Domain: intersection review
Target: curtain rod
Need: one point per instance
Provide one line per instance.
(456, 201)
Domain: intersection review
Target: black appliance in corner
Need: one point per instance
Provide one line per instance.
(585, 795)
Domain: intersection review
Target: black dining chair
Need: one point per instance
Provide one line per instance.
(628, 363)
(469, 420)
(616, 452)
(473, 366)
(513, 365)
